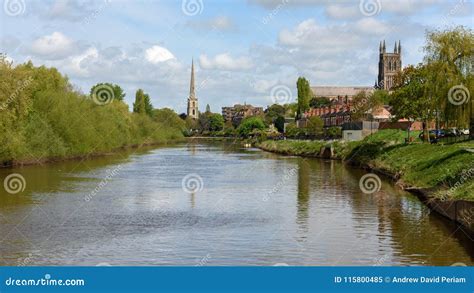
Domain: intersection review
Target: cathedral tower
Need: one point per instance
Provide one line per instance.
(389, 65)
(192, 100)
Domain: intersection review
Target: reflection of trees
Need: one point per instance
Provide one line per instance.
(304, 170)
(425, 237)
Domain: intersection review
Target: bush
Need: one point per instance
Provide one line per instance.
(46, 118)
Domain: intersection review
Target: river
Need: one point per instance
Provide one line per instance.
(215, 203)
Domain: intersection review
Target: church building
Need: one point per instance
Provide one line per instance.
(389, 65)
(192, 110)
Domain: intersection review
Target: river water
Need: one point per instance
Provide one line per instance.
(217, 204)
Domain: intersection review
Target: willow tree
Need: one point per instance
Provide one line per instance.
(448, 58)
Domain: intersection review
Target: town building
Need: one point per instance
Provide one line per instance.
(192, 110)
(339, 92)
(238, 112)
(389, 65)
(339, 111)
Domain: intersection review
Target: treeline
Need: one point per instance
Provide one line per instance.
(43, 117)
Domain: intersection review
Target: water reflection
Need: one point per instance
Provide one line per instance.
(256, 208)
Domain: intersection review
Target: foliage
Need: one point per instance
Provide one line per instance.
(304, 95)
(142, 104)
(118, 93)
(334, 132)
(315, 126)
(168, 117)
(443, 167)
(42, 117)
(317, 102)
(216, 122)
(249, 124)
(364, 103)
(280, 123)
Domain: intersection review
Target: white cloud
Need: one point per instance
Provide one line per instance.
(54, 46)
(157, 54)
(342, 11)
(219, 23)
(371, 25)
(225, 62)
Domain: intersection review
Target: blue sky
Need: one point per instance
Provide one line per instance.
(245, 51)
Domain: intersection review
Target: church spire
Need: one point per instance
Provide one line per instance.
(399, 47)
(383, 46)
(193, 111)
(192, 93)
(395, 48)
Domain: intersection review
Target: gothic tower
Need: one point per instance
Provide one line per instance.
(389, 65)
(192, 100)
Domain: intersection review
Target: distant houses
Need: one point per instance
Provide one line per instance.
(238, 112)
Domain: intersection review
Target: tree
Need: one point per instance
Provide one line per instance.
(208, 108)
(142, 104)
(169, 118)
(216, 122)
(274, 111)
(280, 124)
(317, 102)
(249, 124)
(116, 90)
(304, 95)
(139, 104)
(413, 98)
(364, 103)
(315, 125)
(449, 55)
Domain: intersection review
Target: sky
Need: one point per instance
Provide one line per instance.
(249, 51)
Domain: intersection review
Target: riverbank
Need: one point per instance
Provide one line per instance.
(441, 174)
(43, 119)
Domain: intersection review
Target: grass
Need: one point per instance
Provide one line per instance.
(447, 168)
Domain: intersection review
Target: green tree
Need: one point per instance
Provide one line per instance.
(364, 103)
(168, 117)
(273, 112)
(449, 55)
(304, 95)
(315, 125)
(142, 104)
(139, 104)
(208, 108)
(117, 91)
(413, 98)
(317, 102)
(280, 123)
(249, 124)
(216, 122)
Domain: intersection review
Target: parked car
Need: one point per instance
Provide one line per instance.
(464, 131)
(434, 134)
(452, 132)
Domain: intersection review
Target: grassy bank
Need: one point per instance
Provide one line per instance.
(42, 118)
(447, 169)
